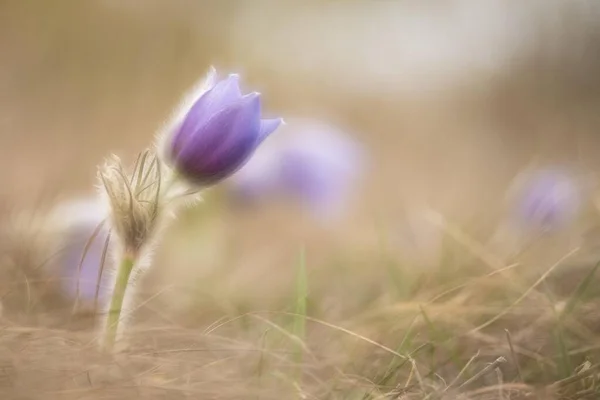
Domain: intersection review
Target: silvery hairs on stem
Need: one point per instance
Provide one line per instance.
(139, 203)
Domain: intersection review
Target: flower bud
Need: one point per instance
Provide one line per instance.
(135, 200)
(218, 133)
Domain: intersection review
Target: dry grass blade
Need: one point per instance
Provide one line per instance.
(461, 373)
(297, 340)
(101, 269)
(576, 378)
(487, 369)
(86, 249)
(356, 335)
(514, 355)
(471, 282)
(526, 293)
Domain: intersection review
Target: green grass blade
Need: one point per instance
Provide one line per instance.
(299, 319)
(579, 292)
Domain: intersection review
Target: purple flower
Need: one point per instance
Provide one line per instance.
(257, 180)
(78, 221)
(314, 164)
(548, 199)
(218, 133)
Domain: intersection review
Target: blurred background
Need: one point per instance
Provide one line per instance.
(447, 101)
(442, 95)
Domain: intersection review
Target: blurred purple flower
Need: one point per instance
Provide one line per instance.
(313, 163)
(319, 169)
(78, 221)
(219, 132)
(548, 199)
(257, 179)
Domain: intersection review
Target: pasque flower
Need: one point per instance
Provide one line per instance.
(319, 167)
(214, 133)
(83, 233)
(218, 133)
(313, 163)
(258, 179)
(547, 199)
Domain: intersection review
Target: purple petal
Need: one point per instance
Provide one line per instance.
(221, 96)
(224, 143)
(268, 126)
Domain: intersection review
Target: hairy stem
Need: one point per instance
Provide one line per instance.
(116, 303)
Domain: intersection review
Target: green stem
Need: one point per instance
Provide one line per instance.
(116, 303)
